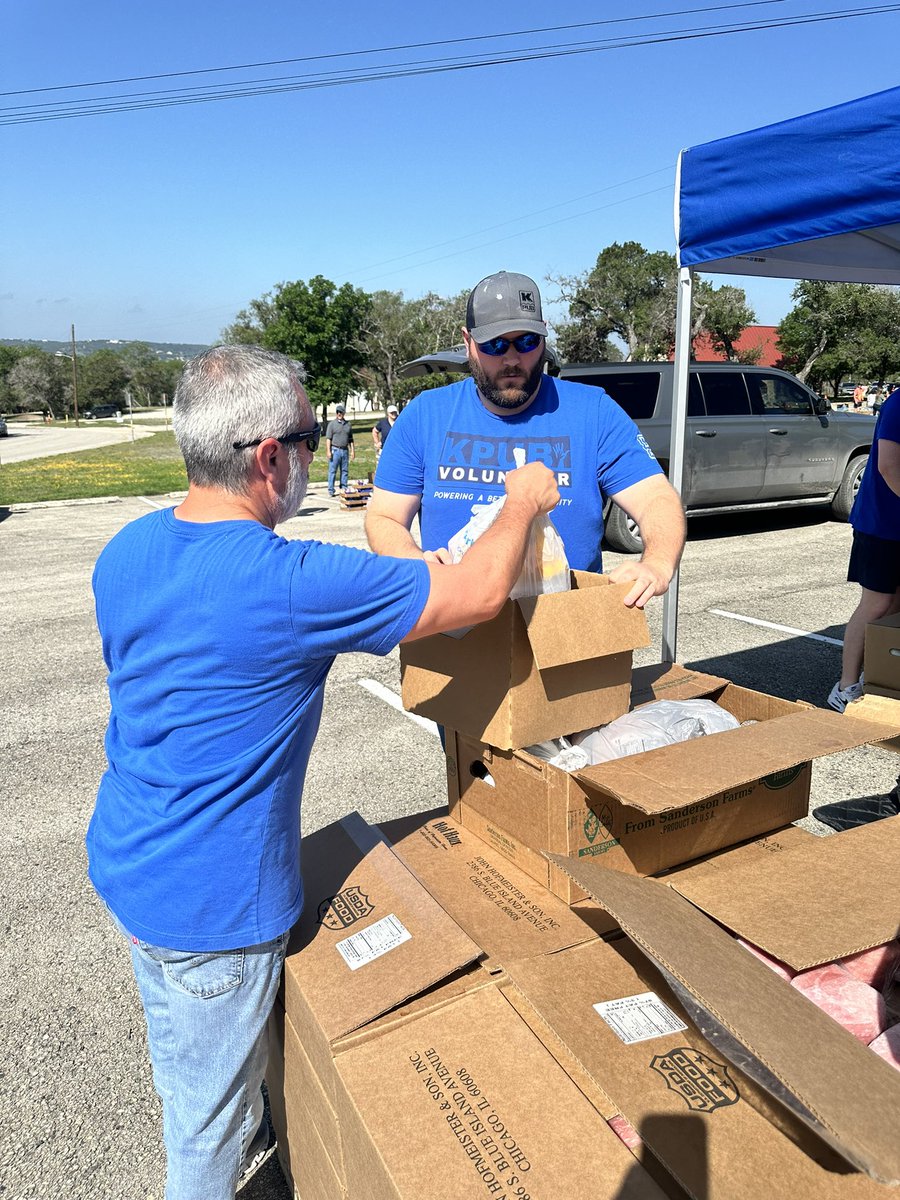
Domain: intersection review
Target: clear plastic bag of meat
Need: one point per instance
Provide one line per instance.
(661, 723)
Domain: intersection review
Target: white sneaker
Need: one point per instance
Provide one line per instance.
(839, 698)
(258, 1152)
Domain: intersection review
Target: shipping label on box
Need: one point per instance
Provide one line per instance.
(542, 664)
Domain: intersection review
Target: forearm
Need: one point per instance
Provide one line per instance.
(390, 538)
(492, 564)
(663, 530)
(891, 476)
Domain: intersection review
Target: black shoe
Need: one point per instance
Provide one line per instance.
(849, 814)
(259, 1151)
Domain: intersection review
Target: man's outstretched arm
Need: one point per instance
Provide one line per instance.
(657, 509)
(389, 518)
(477, 587)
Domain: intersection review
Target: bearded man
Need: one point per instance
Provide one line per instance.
(451, 448)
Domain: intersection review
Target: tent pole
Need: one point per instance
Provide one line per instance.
(676, 441)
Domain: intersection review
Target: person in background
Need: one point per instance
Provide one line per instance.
(383, 428)
(339, 448)
(218, 635)
(859, 396)
(451, 448)
(875, 554)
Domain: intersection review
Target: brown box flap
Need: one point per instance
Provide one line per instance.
(354, 882)
(587, 622)
(813, 902)
(848, 1095)
(675, 776)
(881, 709)
(671, 681)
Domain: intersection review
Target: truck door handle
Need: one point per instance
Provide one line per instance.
(705, 432)
(779, 432)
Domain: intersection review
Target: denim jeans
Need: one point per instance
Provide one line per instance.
(339, 458)
(206, 1018)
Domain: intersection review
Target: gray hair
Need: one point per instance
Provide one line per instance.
(233, 394)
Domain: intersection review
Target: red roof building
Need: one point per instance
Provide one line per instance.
(762, 337)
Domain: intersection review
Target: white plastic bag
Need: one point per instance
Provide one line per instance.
(659, 724)
(546, 568)
(559, 752)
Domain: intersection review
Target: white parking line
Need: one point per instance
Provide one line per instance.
(152, 503)
(816, 637)
(391, 698)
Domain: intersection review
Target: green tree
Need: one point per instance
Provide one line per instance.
(723, 313)
(39, 381)
(826, 317)
(630, 292)
(9, 356)
(318, 323)
(585, 342)
(102, 379)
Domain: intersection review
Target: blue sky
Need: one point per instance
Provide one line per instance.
(160, 224)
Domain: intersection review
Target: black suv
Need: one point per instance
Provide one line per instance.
(102, 412)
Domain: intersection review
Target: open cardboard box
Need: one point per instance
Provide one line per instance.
(542, 665)
(651, 811)
(420, 1077)
(738, 1084)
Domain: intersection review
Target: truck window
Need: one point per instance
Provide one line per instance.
(725, 394)
(635, 391)
(779, 395)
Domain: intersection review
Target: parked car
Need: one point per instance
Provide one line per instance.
(102, 412)
(756, 437)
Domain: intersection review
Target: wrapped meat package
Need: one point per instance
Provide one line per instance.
(887, 1046)
(853, 1004)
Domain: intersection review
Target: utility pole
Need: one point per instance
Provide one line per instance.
(74, 376)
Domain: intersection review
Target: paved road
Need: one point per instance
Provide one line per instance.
(37, 441)
(77, 1108)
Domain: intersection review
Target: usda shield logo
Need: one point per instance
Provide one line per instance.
(702, 1083)
(340, 911)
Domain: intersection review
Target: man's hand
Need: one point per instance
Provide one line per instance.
(533, 485)
(650, 579)
(438, 556)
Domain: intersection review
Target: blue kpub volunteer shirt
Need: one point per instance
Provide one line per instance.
(218, 639)
(876, 509)
(447, 447)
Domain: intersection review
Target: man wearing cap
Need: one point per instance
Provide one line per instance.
(452, 446)
(339, 447)
(383, 428)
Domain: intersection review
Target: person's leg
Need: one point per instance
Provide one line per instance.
(332, 467)
(872, 607)
(345, 469)
(206, 1025)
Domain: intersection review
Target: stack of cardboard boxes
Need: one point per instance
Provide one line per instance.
(472, 998)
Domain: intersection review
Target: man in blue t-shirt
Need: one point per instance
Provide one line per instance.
(451, 447)
(875, 555)
(218, 635)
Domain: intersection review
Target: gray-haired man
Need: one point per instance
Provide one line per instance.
(218, 635)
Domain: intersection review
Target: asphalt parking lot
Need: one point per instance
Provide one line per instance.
(77, 1105)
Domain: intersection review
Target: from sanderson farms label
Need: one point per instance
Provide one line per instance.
(639, 1018)
(368, 944)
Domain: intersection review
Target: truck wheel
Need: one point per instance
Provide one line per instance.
(621, 532)
(843, 498)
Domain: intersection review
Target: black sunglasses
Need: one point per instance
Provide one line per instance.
(524, 343)
(311, 436)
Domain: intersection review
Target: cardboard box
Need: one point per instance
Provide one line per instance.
(882, 657)
(418, 1074)
(881, 710)
(654, 810)
(535, 671)
(739, 1085)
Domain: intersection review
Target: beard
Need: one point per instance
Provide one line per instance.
(295, 490)
(512, 388)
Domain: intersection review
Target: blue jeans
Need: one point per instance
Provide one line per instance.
(339, 458)
(206, 1018)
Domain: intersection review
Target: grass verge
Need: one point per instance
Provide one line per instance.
(151, 466)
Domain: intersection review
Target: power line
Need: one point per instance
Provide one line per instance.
(125, 103)
(281, 62)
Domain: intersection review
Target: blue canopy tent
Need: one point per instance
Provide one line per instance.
(815, 197)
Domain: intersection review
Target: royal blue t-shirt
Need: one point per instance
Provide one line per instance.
(448, 448)
(218, 638)
(876, 509)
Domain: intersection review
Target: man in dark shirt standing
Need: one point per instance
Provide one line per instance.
(339, 447)
(383, 428)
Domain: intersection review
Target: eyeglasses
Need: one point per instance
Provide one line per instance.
(524, 343)
(311, 436)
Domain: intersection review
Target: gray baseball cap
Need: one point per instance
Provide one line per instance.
(504, 303)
